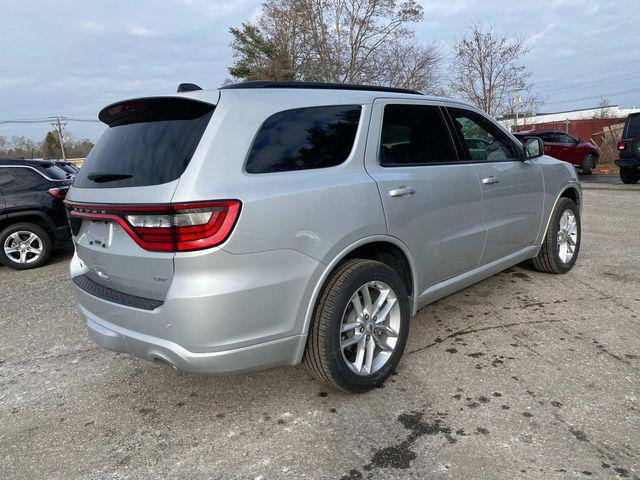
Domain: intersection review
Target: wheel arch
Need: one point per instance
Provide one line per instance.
(385, 248)
(570, 191)
(30, 216)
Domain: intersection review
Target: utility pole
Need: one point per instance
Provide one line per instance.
(517, 102)
(58, 126)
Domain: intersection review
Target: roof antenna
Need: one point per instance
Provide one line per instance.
(188, 87)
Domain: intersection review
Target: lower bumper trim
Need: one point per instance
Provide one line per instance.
(85, 283)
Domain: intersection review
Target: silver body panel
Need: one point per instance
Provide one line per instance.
(248, 303)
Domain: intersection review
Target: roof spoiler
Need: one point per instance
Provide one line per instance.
(188, 87)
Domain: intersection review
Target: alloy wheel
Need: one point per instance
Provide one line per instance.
(370, 327)
(567, 236)
(23, 247)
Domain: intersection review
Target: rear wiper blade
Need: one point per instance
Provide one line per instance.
(100, 177)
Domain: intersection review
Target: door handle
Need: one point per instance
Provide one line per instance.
(402, 192)
(490, 180)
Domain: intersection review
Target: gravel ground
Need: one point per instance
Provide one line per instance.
(524, 375)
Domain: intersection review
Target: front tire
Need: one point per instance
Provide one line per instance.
(589, 164)
(24, 246)
(629, 175)
(360, 326)
(561, 243)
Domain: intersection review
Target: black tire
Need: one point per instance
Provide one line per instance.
(589, 164)
(548, 259)
(629, 174)
(43, 237)
(323, 355)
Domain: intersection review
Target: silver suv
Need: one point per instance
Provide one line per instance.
(264, 224)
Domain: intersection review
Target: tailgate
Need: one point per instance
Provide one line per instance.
(127, 178)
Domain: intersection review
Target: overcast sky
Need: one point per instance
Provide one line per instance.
(71, 57)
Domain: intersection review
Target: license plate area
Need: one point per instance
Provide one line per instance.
(99, 233)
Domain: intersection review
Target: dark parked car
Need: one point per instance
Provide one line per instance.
(563, 146)
(68, 167)
(629, 150)
(32, 216)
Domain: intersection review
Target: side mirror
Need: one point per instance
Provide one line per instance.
(533, 147)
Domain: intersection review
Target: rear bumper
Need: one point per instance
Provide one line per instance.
(628, 162)
(223, 313)
(166, 353)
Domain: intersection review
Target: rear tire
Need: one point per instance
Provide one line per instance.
(332, 353)
(629, 174)
(589, 164)
(554, 254)
(24, 246)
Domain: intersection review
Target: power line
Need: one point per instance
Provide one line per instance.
(596, 97)
(594, 83)
(588, 74)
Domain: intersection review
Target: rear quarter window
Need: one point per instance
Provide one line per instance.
(304, 138)
(148, 142)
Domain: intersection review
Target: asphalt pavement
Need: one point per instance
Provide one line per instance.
(524, 375)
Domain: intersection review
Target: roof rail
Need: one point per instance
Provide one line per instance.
(317, 85)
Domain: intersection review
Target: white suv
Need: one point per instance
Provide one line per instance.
(263, 223)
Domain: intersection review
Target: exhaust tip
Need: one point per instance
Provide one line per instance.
(163, 362)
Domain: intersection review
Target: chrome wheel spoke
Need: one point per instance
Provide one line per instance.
(384, 294)
(360, 354)
(32, 237)
(23, 256)
(368, 358)
(385, 310)
(389, 332)
(9, 250)
(357, 305)
(366, 295)
(382, 344)
(355, 338)
(347, 327)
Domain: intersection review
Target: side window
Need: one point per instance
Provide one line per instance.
(548, 137)
(564, 138)
(25, 178)
(414, 135)
(5, 177)
(489, 142)
(304, 138)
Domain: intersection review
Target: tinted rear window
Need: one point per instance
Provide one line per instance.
(414, 135)
(633, 127)
(148, 142)
(54, 171)
(304, 138)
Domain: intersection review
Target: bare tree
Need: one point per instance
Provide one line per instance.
(346, 41)
(605, 110)
(486, 70)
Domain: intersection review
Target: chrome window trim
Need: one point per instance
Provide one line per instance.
(37, 171)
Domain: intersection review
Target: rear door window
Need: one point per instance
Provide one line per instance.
(414, 135)
(304, 138)
(148, 142)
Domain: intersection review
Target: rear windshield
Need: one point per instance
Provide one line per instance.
(633, 127)
(54, 171)
(148, 142)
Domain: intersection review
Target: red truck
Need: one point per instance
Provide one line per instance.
(563, 146)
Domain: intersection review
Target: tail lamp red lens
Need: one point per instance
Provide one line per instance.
(622, 146)
(59, 192)
(168, 228)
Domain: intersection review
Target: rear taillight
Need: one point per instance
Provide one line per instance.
(622, 146)
(169, 228)
(59, 192)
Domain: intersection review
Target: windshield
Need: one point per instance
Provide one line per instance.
(148, 142)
